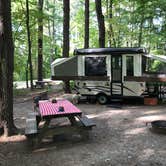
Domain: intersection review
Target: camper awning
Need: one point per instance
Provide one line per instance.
(161, 58)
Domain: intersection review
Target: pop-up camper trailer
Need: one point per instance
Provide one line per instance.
(103, 72)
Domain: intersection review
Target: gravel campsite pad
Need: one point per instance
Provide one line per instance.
(120, 138)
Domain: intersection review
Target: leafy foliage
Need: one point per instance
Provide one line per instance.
(131, 20)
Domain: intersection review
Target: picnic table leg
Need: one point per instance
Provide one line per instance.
(32, 141)
(38, 119)
(72, 120)
(84, 134)
(42, 132)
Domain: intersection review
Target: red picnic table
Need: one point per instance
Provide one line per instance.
(49, 110)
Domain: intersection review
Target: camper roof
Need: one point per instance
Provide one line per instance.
(125, 50)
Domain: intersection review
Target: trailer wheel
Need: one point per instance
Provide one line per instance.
(102, 98)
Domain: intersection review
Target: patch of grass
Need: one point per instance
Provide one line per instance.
(26, 92)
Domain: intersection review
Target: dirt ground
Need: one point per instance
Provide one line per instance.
(121, 138)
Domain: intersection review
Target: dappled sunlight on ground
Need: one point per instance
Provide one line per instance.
(151, 118)
(153, 112)
(135, 131)
(108, 114)
(16, 138)
(147, 153)
(120, 138)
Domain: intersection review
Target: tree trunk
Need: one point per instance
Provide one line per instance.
(26, 75)
(142, 7)
(118, 40)
(86, 40)
(51, 32)
(140, 32)
(132, 15)
(1, 127)
(66, 44)
(111, 38)
(6, 69)
(132, 36)
(40, 40)
(0, 74)
(29, 47)
(101, 25)
(150, 33)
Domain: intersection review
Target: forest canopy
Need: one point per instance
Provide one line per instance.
(128, 23)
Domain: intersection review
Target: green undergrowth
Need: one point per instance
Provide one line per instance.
(27, 92)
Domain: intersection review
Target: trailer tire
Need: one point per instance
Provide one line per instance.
(102, 98)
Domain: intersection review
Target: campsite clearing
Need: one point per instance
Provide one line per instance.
(120, 138)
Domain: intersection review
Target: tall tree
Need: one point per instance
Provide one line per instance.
(111, 37)
(51, 31)
(6, 69)
(101, 25)
(40, 40)
(66, 28)
(86, 39)
(142, 14)
(29, 63)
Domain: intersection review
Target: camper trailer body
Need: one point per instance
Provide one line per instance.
(115, 69)
(101, 71)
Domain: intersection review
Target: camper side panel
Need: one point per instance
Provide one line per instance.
(68, 68)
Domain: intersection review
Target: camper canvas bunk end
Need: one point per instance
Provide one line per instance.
(101, 72)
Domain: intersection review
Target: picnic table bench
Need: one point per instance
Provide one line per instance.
(41, 84)
(47, 111)
(86, 121)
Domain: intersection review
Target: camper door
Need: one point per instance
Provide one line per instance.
(116, 75)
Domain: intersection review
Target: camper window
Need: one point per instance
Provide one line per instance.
(129, 66)
(95, 66)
